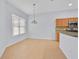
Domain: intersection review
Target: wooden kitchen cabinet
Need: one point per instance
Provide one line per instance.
(64, 21)
(57, 36)
(58, 22)
(73, 19)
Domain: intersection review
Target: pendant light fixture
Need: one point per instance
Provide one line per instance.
(34, 14)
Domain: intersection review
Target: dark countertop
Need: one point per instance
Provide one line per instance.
(73, 34)
(64, 31)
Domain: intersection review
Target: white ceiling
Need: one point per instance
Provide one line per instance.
(43, 6)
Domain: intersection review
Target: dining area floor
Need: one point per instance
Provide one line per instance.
(34, 49)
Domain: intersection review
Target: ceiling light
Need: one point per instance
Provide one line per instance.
(70, 4)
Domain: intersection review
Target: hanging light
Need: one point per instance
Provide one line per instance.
(34, 15)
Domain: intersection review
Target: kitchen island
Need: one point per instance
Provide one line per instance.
(69, 44)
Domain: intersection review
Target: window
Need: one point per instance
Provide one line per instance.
(18, 24)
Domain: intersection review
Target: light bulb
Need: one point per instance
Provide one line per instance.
(70, 4)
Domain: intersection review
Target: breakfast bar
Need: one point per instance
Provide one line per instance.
(69, 44)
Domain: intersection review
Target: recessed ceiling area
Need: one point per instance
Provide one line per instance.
(44, 6)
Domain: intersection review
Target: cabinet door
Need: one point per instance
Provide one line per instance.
(76, 19)
(59, 22)
(62, 22)
(57, 36)
(73, 19)
(65, 22)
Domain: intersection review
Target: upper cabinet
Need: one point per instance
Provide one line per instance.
(64, 21)
(73, 19)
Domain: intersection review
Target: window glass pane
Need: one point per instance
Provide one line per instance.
(22, 30)
(15, 30)
(15, 20)
(22, 22)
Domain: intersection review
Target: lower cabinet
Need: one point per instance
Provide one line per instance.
(69, 46)
(57, 36)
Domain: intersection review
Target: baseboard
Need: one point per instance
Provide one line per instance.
(42, 38)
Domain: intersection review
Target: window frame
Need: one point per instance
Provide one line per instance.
(18, 25)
